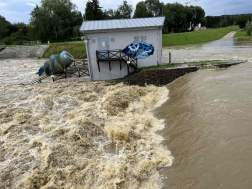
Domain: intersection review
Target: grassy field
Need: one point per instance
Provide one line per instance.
(77, 49)
(196, 36)
(241, 34)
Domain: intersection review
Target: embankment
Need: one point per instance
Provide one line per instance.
(158, 77)
(196, 36)
(23, 51)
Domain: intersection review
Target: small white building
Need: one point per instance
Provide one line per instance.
(106, 38)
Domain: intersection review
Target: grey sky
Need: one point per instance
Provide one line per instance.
(18, 10)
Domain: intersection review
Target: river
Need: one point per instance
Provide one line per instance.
(193, 133)
(208, 119)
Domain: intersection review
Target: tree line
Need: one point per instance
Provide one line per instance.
(227, 20)
(59, 20)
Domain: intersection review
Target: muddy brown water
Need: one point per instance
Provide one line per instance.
(208, 119)
(224, 49)
(90, 135)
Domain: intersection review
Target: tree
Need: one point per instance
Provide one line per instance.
(6, 28)
(93, 10)
(141, 10)
(124, 10)
(248, 28)
(54, 20)
(176, 17)
(109, 14)
(199, 15)
(154, 7)
(242, 20)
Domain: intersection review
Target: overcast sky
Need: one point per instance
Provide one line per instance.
(18, 10)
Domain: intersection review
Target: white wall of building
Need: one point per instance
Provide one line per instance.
(122, 39)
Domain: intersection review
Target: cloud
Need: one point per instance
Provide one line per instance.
(31, 4)
(2, 4)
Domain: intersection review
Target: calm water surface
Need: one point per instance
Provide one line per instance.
(208, 121)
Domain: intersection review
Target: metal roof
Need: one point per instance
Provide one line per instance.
(96, 25)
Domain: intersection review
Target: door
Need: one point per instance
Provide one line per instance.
(103, 45)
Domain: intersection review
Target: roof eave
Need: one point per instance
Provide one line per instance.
(121, 29)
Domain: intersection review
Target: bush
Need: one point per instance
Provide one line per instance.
(248, 28)
(8, 40)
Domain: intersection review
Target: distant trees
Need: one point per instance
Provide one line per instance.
(125, 10)
(154, 7)
(148, 8)
(55, 20)
(179, 18)
(93, 10)
(59, 20)
(242, 20)
(13, 32)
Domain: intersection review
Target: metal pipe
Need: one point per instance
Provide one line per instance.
(88, 57)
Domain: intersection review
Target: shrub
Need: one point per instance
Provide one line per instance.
(248, 28)
(8, 40)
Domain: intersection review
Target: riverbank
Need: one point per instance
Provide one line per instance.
(196, 36)
(242, 34)
(77, 49)
(23, 51)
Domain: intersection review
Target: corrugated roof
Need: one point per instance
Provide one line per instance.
(96, 25)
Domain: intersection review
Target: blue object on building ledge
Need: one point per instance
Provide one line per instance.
(139, 50)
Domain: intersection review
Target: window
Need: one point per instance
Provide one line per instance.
(112, 39)
(93, 40)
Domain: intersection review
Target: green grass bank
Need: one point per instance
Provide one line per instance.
(196, 36)
(242, 34)
(77, 49)
(197, 63)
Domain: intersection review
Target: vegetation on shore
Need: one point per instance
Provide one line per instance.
(77, 49)
(242, 34)
(198, 63)
(196, 36)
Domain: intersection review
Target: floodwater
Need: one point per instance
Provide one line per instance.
(78, 134)
(194, 133)
(208, 119)
(223, 49)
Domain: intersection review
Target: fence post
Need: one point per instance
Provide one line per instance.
(169, 57)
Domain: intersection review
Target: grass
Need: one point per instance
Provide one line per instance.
(196, 36)
(158, 67)
(77, 49)
(208, 62)
(242, 34)
(198, 63)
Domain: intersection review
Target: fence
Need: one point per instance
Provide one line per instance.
(31, 42)
(76, 39)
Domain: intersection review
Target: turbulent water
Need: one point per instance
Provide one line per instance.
(81, 135)
(92, 135)
(208, 119)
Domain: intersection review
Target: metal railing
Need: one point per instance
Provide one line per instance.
(115, 55)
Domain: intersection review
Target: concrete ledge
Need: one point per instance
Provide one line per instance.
(158, 77)
(23, 51)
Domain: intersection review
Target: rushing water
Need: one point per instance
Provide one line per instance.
(91, 135)
(79, 134)
(208, 119)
